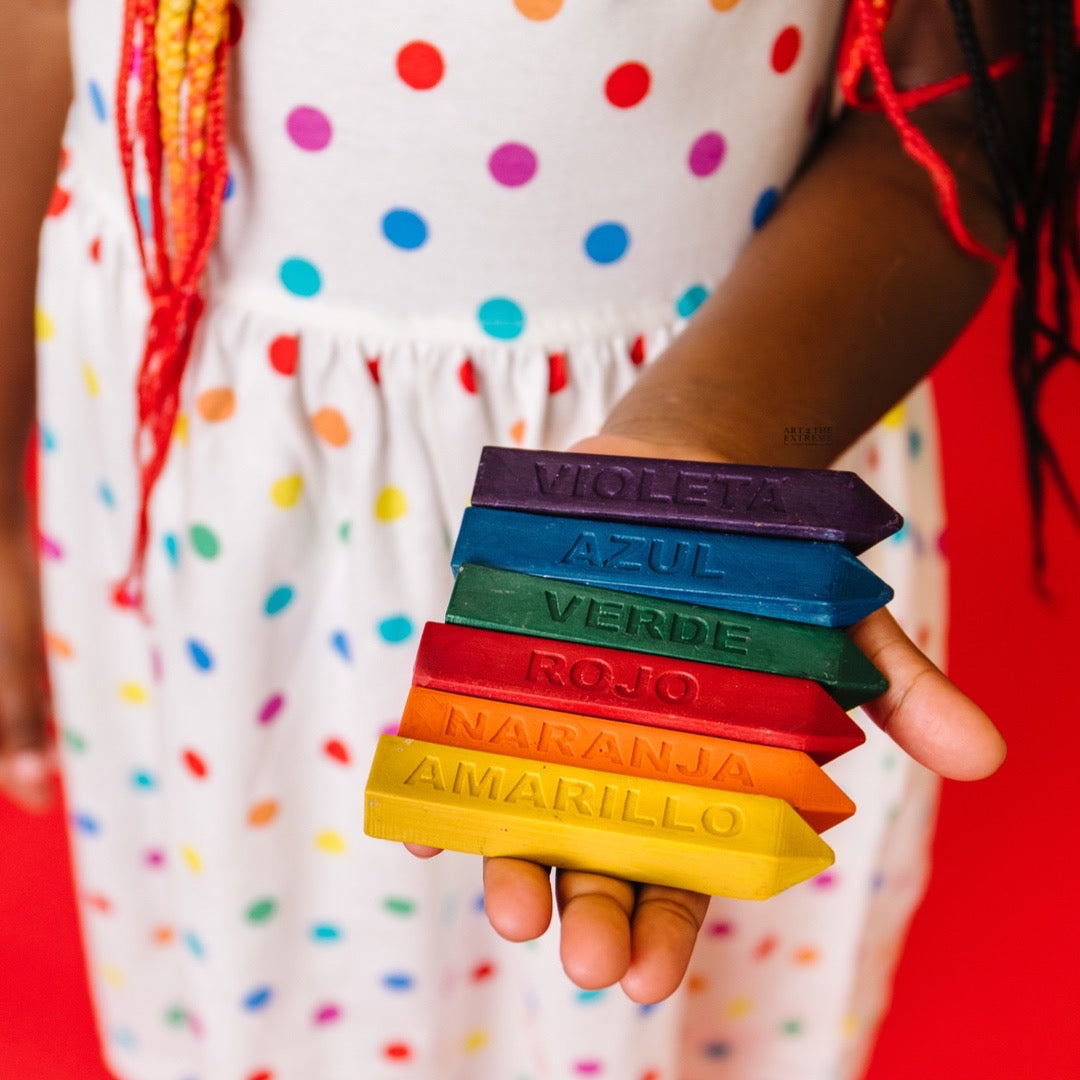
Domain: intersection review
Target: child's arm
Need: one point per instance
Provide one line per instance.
(837, 308)
(34, 92)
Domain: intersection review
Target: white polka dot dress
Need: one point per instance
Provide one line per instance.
(445, 225)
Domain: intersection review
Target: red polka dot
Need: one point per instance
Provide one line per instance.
(235, 31)
(285, 354)
(195, 764)
(785, 49)
(557, 376)
(637, 352)
(336, 749)
(95, 249)
(764, 947)
(373, 369)
(397, 1051)
(98, 902)
(420, 65)
(263, 1074)
(482, 971)
(627, 85)
(467, 376)
(59, 201)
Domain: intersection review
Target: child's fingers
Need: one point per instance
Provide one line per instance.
(517, 898)
(595, 911)
(922, 710)
(665, 928)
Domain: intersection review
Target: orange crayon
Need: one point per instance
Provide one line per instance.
(472, 723)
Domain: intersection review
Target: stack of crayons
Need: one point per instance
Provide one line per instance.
(641, 672)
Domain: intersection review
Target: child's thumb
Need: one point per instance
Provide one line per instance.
(922, 711)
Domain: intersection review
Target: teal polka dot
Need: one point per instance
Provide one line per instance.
(142, 780)
(345, 531)
(145, 213)
(607, 242)
(279, 600)
(46, 439)
(501, 318)
(300, 277)
(587, 997)
(691, 300)
(326, 933)
(172, 548)
(193, 944)
(395, 629)
(901, 534)
(914, 443)
(405, 229)
(105, 494)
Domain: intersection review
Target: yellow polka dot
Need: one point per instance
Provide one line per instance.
(192, 858)
(739, 1007)
(894, 417)
(93, 387)
(474, 1041)
(724, 5)
(216, 405)
(180, 429)
(331, 427)
(134, 693)
(333, 843)
(286, 491)
(850, 1025)
(113, 976)
(391, 504)
(43, 326)
(539, 10)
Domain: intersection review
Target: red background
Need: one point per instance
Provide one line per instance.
(988, 987)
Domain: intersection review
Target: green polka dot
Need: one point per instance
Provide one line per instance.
(345, 531)
(204, 542)
(791, 1027)
(399, 905)
(74, 740)
(261, 910)
(176, 1016)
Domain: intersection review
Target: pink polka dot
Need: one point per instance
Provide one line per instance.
(627, 85)
(785, 50)
(512, 164)
(272, 706)
(707, 153)
(588, 1068)
(309, 128)
(327, 1014)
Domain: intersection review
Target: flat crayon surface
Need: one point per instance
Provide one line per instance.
(683, 695)
(561, 738)
(802, 580)
(809, 504)
(520, 603)
(722, 843)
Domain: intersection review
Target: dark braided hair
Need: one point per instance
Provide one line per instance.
(1034, 161)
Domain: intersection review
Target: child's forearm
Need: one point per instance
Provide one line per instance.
(838, 306)
(34, 92)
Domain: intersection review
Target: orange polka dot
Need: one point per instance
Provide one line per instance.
(696, 984)
(808, 955)
(539, 10)
(517, 431)
(724, 5)
(59, 646)
(262, 813)
(163, 935)
(331, 427)
(217, 404)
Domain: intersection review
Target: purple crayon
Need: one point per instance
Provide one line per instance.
(807, 504)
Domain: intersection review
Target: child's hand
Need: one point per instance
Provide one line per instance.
(26, 758)
(642, 936)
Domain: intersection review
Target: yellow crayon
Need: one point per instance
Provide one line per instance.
(717, 842)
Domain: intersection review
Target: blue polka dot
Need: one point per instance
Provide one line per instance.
(398, 980)
(230, 187)
(146, 214)
(340, 644)
(172, 548)
(279, 599)
(607, 243)
(716, 1049)
(501, 318)
(86, 823)
(193, 944)
(199, 655)
(258, 998)
(326, 932)
(47, 439)
(141, 780)
(691, 300)
(645, 1010)
(300, 277)
(478, 903)
(97, 101)
(105, 494)
(764, 207)
(914, 443)
(125, 1038)
(395, 629)
(405, 229)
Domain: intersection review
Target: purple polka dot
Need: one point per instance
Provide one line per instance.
(512, 164)
(327, 1014)
(271, 708)
(308, 127)
(154, 858)
(707, 153)
(588, 1068)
